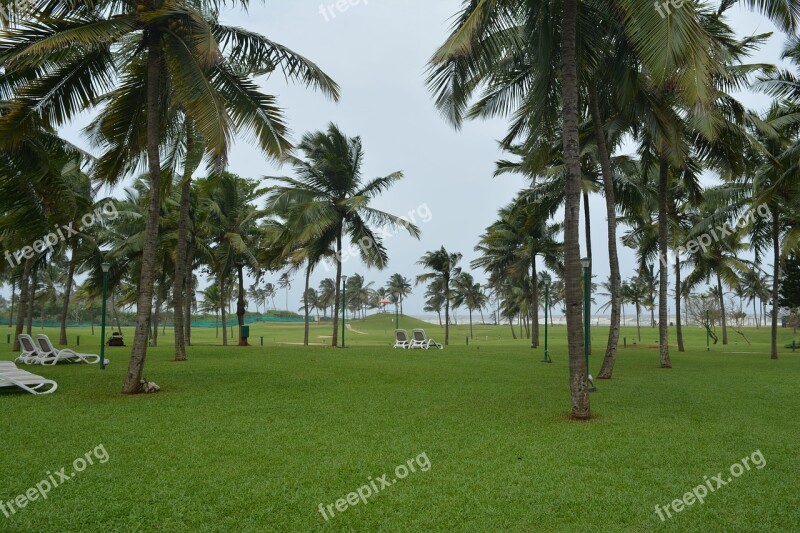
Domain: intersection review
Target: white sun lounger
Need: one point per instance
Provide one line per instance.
(51, 356)
(401, 339)
(421, 340)
(11, 376)
(30, 354)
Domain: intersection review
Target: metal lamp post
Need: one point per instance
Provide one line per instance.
(546, 280)
(344, 306)
(586, 263)
(105, 266)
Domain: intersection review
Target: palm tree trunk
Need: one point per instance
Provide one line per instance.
(240, 308)
(32, 299)
(439, 312)
(722, 310)
(471, 335)
(157, 315)
(663, 272)
(133, 378)
(678, 294)
(116, 315)
(513, 333)
(62, 337)
(305, 304)
(13, 301)
(179, 283)
(447, 311)
(578, 372)
(534, 303)
(337, 298)
(188, 294)
(638, 322)
(22, 310)
(222, 309)
(755, 314)
(615, 279)
(776, 279)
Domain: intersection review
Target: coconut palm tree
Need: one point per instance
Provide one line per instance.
(399, 287)
(332, 201)
(442, 267)
(469, 294)
(150, 68)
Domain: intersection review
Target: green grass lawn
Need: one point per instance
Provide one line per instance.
(255, 439)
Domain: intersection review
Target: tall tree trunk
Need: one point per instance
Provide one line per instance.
(144, 302)
(578, 371)
(638, 322)
(663, 271)
(32, 299)
(439, 312)
(513, 333)
(678, 294)
(22, 310)
(534, 303)
(13, 301)
(157, 315)
(471, 335)
(722, 310)
(189, 294)
(776, 278)
(179, 282)
(223, 300)
(305, 304)
(755, 314)
(337, 300)
(62, 337)
(240, 309)
(447, 310)
(615, 279)
(116, 314)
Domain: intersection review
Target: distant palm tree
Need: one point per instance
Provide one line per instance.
(331, 200)
(399, 287)
(469, 294)
(443, 267)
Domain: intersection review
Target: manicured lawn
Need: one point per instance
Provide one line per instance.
(255, 439)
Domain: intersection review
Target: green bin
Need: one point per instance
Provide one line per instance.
(245, 332)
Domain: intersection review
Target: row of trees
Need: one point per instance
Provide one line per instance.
(664, 82)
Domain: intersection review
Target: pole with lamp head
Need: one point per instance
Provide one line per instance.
(106, 266)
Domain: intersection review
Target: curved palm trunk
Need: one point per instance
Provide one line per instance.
(157, 315)
(678, 294)
(638, 322)
(722, 310)
(13, 301)
(471, 336)
(133, 378)
(22, 310)
(776, 278)
(337, 298)
(615, 282)
(62, 336)
(240, 308)
(305, 305)
(578, 373)
(663, 272)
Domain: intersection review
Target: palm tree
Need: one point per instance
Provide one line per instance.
(469, 294)
(443, 267)
(327, 293)
(399, 287)
(180, 63)
(330, 199)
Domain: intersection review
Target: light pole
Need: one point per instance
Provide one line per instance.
(396, 315)
(586, 263)
(105, 266)
(344, 306)
(546, 280)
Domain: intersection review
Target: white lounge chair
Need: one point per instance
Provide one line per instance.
(30, 354)
(11, 376)
(401, 339)
(51, 356)
(421, 340)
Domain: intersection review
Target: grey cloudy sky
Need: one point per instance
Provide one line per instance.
(377, 51)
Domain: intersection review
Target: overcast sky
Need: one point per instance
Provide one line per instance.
(377, 51)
